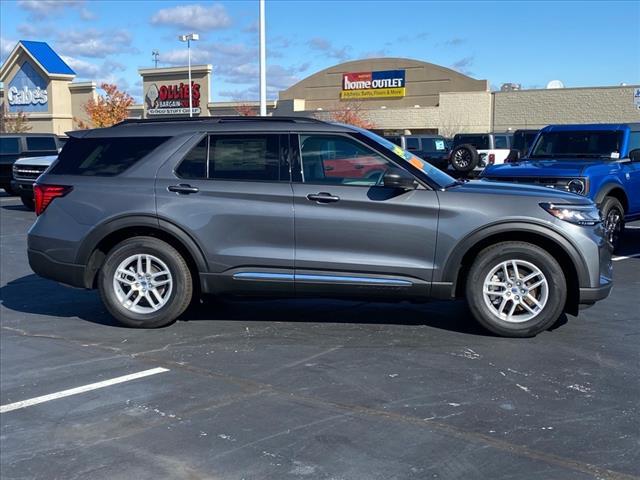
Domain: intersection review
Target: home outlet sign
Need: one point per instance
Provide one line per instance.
(381, 84)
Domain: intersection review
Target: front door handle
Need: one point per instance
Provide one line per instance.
(183, 188)
(322, 197)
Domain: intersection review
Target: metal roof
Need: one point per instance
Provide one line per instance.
(46, 57)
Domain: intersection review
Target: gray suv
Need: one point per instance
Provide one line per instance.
(154, 213)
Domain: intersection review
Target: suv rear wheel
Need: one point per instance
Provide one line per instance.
(145, 283)
(516, 289)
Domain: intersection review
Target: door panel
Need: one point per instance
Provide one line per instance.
(378, 239)
(241, 226)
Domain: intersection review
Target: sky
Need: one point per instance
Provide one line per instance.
(581, 43)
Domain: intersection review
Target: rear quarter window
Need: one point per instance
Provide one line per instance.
(42, 144)
(9, 145)
(104, 157)
(480, 142)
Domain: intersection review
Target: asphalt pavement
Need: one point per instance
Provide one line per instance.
(311, 389)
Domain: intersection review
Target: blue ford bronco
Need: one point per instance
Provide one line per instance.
(600, 161)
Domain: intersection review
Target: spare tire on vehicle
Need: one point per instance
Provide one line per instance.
(464, 158)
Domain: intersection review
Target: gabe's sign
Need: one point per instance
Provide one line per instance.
(386, 83)
(172, 99)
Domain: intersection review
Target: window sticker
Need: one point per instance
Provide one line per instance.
(615, 155)
(439, 144)
(398, 151)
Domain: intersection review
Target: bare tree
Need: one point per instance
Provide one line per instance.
(18, 123)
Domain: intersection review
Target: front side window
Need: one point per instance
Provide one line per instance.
(244, 157)
(572, 144)
(9, 145)
(104, 157)
(333, 159)
(501, 142)
(39, 144)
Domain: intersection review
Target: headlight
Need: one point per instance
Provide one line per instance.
(578, 214)
(576, 185)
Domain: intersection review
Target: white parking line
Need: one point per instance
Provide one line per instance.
(633, 227)
(74, 391)
(625, 257)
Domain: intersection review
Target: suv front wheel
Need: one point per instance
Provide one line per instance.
(516, 289)
(145, 283)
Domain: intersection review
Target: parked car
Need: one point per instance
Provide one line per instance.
(472, 152)
(153, 212)
(600, 162)
(25, 172)
(520, 144)
(432, 148)
(18, 145)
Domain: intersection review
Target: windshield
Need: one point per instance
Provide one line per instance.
(438, 176)
(571, 144)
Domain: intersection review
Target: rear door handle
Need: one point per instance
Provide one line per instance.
(183, 188)
(322, 197)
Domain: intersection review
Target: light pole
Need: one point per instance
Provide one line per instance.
(189, 38)
(263, 64)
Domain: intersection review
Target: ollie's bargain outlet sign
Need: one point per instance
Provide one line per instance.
(362, 85)
(172, 99)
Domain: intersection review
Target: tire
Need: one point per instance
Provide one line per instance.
(9, 189)
(464, 158)
(613, 220)
(28, 202)
(529, 259)
(138, 311)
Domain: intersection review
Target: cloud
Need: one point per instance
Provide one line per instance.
(39, 9)
(91, 71)
(251, 28)
(6, 47)
(324, 45)
(86, 14)
(31, 30)
(455, 42)
(463, 64)
(94, 43)
(383, 52)
(193, 17)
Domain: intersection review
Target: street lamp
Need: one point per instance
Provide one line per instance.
(189, 38)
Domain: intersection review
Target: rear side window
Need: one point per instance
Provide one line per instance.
(413, 143)
(233, 157)
(9, 145)
(39, 144)
(480, 142)
(104, 157)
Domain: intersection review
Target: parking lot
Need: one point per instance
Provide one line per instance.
(311, 389)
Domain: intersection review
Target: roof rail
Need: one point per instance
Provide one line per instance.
(132, 121)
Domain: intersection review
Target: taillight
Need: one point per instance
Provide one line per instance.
(44, 195)
(492, 158)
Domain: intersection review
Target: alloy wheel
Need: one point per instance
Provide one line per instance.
(142, 283)
(515, 291)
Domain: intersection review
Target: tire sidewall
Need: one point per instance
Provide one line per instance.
(609, 204)
(552, 271)
(164, 252)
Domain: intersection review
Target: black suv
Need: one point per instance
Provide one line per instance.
(154, 212)
(19, 145)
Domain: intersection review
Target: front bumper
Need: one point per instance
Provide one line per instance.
(67, 273)
(22, 187)
(589, 296)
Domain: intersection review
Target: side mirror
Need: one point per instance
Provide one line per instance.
(398, 178)
(513, 157)
(634, 155)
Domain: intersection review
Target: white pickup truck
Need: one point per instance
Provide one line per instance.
(472, 152)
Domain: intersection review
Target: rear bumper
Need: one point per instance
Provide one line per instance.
(67, 273)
